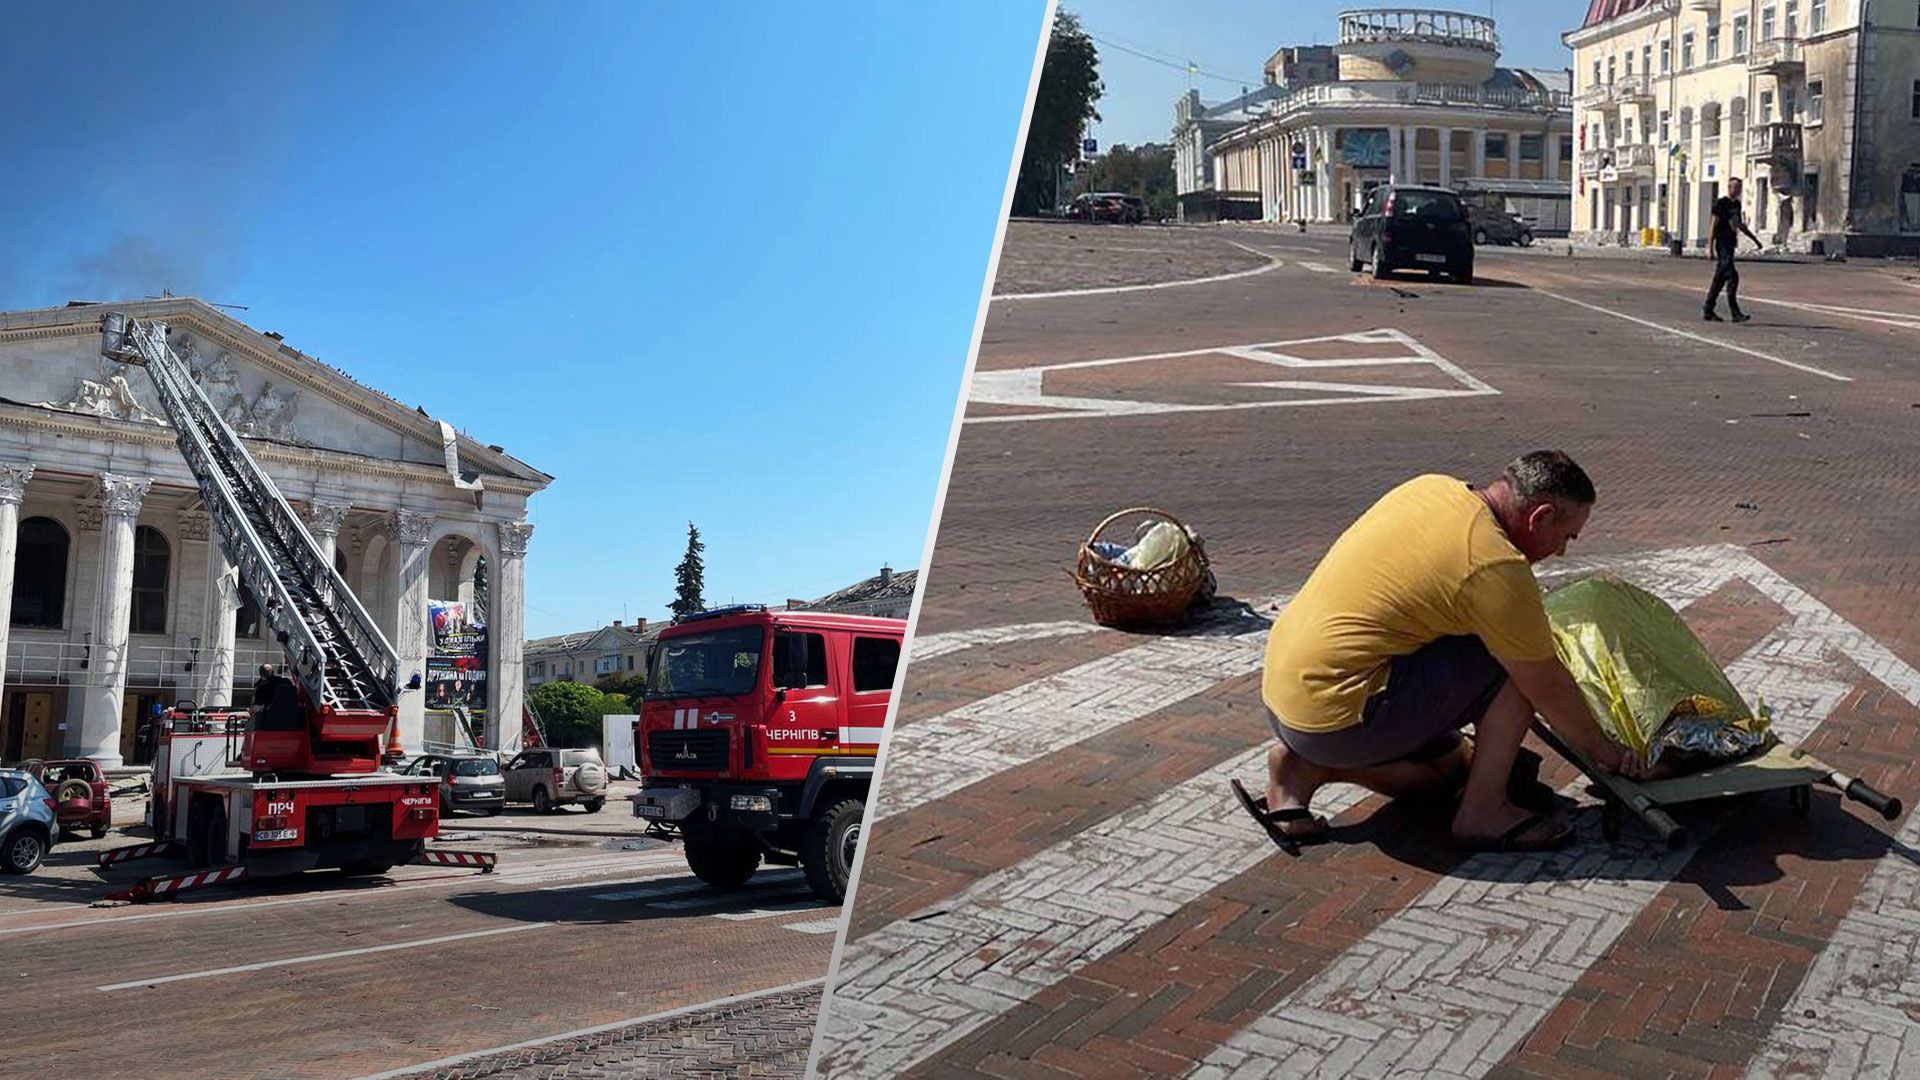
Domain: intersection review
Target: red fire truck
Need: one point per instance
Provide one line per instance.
(758, 736)
(297, 782)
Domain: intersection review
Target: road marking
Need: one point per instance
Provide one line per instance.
(942, 754)
(928, 646)
(802, 901)
(1456, 980)
(1108, 290)
(921, 983)
(1025, 387)
(681, 886)
(1702, 338)
(317, 957)
(816, 926)
(1318, 267)
(1903, 320)
(716, 1003)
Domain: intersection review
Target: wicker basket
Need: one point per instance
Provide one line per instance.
(1124, 596)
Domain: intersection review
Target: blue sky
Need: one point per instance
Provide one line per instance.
(1233, 38)
(705, 264)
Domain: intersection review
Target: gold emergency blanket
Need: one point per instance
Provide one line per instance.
(1650, 683)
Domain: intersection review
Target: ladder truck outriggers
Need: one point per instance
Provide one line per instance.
(298, 782)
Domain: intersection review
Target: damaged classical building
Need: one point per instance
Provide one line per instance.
(119, 603)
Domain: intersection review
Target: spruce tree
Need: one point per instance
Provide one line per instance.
(690, 578)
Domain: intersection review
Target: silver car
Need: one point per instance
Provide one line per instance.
(28, 822)
(467, 782)
(548, 777)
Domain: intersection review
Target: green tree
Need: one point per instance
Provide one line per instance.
(690, 578)
(631, 689)
(1062, 107)
(1146, 171)
(572, 711)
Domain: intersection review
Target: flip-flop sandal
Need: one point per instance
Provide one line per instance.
(1524, 787)
(1510, 841)
(1271, 820)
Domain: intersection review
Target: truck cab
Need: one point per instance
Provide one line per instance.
(758, 736)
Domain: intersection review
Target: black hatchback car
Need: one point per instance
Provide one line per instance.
(1403, 227)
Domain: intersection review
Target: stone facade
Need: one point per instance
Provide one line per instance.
(116, 598)
(1418, 98)
(1816, 103)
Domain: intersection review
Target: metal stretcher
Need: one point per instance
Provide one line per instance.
(1777, 768)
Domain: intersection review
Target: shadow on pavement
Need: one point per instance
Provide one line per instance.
(680, 896)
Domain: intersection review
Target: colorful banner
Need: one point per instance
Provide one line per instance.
(1366, 148)
(457, 662)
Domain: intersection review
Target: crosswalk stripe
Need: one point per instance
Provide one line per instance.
(1318, 267)
(929, 646)
(942, 754)
(802, 901)
(815, 926)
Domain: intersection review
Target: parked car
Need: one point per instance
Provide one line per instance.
(29, 826)
(1407, 227)
(467, 781)
(82, 799)
(552, 776)
(1133, 209)
(1493, 223)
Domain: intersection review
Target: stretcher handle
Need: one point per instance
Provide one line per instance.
(1862, 792)
(1671, 833)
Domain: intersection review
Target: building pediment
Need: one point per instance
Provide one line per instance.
(264, 389)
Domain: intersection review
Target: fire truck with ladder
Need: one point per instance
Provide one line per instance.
(758, 735)
(299, 782)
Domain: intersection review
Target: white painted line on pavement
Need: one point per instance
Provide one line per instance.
(316, 957)
(1702, 338)
(1318, 267)
(816, 926)
(942, 754)
(1903, 320)
(804, 901)
(929, 646)
(670, 1014)
(1107, 290)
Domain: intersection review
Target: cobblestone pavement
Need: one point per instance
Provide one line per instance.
(766, 1036)
(1049, 256)
(323, 976)
(1057, 882)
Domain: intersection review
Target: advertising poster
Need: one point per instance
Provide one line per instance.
(457, 662)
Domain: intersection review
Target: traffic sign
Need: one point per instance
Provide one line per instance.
(1089, 146)
(1299, 161)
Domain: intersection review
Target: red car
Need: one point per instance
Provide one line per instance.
(79, 791)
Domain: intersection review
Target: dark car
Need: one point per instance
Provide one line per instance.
(1133, 209)
(1403, 227)
(1494, 224)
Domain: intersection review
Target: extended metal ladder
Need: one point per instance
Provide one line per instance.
(339, 654)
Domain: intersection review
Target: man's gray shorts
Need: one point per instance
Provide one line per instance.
(1430, 694)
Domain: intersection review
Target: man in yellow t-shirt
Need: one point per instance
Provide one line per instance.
(1424, 618)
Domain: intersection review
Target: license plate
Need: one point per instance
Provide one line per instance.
(1430, 258)
(643, 810)
(266, 835)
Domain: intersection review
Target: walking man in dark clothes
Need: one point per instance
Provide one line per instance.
(1724, 240)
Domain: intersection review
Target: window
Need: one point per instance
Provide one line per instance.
(1666, 127)
(1666, 55)
(873, 662)
(1596, 71)
(1916, 99)
(1531, 147)
(151, 557)
(1497, 145)
(540, 670)
(1713, 42)
(606, 665)
(1766, 108)
(1910, 200)
(629, 661)
(1766, 24)
(1789, 104)
(1611, 61)
(1793, 18)
(1739, 35)
(1686, 51)
(1810, 202)
(1566, 148)
(1646, 59)
(799, 660)
(40, 574)
(1629, 63)
(1816, 101)
(1686, 126)
(1817, 20)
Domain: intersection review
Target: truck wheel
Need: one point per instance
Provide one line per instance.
(542, 803)
(593, 805)
(833, 836)
(22, 852)
(722, 861)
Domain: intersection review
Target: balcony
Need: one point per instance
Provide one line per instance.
(1633, 90)
(1703, 5)
(1359, 95)
(1597, 96)
(1777, 144)
(1780, 57)
(1592, 161)
(1400, 25)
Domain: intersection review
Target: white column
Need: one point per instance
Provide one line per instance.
(100, 715)
(323, 521)
(507, 637)
(1513, 155)
(1446, 157)
(1396, 155)
(13, 488)
(411, 556)
(1550, 154)
(1477, 163)
(216, 644)
(1324, 193)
